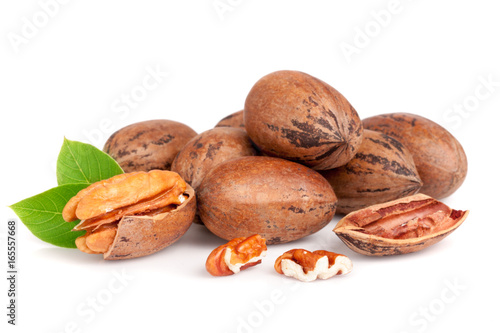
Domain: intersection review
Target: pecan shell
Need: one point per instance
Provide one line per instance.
(401, 226)
(439, 157)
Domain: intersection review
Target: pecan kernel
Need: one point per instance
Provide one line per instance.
(308, 266)
(236, 255)
(101, 239)
(101, 205)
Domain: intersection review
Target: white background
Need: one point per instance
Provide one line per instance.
(67, 76)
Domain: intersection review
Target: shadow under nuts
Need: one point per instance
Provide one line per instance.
(439, 157)
(382, 170)
(133, 214)
(148, 145)
(295, 116)
(397, 227)
(278, 199)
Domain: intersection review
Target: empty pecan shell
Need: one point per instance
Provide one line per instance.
(401, 226)
(133, 214)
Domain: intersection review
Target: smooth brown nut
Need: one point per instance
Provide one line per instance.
(308, 266)
(382, 170)
(236, 255)
(134, 214)
(439, 157)
(148, 145)
(397, 227)
(278, 199)
(233, 120)
(207, 150)
(295, 116)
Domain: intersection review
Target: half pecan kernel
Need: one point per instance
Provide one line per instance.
(101, 239)
(308, 266)
(103, 204)
(236, 255)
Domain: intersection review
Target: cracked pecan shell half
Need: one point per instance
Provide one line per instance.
(401, 226)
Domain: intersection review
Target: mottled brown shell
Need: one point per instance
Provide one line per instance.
(439, 157)
(295, 116)
(208, 149)
(148, 145)
(401, 226)
(142, 235)
(233, 120)
(382, 170)
(278, 199)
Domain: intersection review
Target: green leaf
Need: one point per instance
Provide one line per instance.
(42, 214)
(78, 165)
(83, 163)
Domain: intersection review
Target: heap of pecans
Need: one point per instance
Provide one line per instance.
(297, 154)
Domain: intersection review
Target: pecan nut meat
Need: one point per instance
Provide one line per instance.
(132, 214)
(236, 255)
(307, 266)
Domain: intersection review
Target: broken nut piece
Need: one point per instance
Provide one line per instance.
(236, 255)
(307, 266)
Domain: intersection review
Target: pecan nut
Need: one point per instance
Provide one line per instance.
(130, 215)
(236, 255)
(307, 266)
(397, 227)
